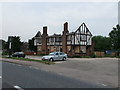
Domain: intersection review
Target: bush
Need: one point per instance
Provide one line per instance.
(74, 56)
(5, 53)
(79, 56)
(117, 56)
(41, 54)
(85, 56)
(93, 56)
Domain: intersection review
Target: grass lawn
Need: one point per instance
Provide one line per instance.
(27, 59)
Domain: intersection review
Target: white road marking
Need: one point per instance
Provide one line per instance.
(103, 84)
(47, 70)
(33, 67)
(60, 73)
(0, 76)
(36, 68)
(19, 88)
(19, 65)
(30, 66)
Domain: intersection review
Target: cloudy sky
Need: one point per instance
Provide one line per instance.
(25, 19)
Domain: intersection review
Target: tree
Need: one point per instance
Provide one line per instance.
(115, 39)
(31, 45)
(101, 43)
(2, 42)
(15, 43)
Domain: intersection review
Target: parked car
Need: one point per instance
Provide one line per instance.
(18, 54)
(55, 56)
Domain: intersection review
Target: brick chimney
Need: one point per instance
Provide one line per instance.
(66, 27)
(64, 38)
(45, 30)
(44, 40)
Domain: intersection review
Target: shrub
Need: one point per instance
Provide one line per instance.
(93, 56)
(5, 53)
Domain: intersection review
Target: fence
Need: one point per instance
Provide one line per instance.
(98, 53)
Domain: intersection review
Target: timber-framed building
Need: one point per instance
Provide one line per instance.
(73, 43)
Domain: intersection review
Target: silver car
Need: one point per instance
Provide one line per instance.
(55, 56)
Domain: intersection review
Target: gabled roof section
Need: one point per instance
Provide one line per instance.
(71, 33)
(83, 29)
(38, 34)
(55, 35)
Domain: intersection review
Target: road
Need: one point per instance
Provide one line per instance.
(0, 75)
(28, 77)
(96, 70)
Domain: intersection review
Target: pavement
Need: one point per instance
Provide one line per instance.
(102, 71)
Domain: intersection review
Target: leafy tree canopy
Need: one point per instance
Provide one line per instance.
(101, 43)
(115, 38)
(31, 45)
(15, 43)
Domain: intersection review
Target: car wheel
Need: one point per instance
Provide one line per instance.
(64, 58)
(51, 59)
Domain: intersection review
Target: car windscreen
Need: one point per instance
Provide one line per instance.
(61, 53)
(21, 53)
(16, 53)
(52, 54)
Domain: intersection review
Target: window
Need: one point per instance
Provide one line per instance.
(57, 39)
(83, 37)
(56, 54)
(48, 40)
(60, 39)
(52, 39)
(69, 37)
(38, 41)
(83, 49)
(61, 53)
(52, 54)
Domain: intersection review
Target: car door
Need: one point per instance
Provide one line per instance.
(61, 56)
(56, 57)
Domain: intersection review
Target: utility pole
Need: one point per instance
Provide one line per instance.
(35, 44)
(10, 45)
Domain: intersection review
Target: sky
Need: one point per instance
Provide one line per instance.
(25, 19)
(119, 12)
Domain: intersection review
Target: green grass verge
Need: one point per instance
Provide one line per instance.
(27, 59)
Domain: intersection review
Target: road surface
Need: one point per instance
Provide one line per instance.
(15, 75)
